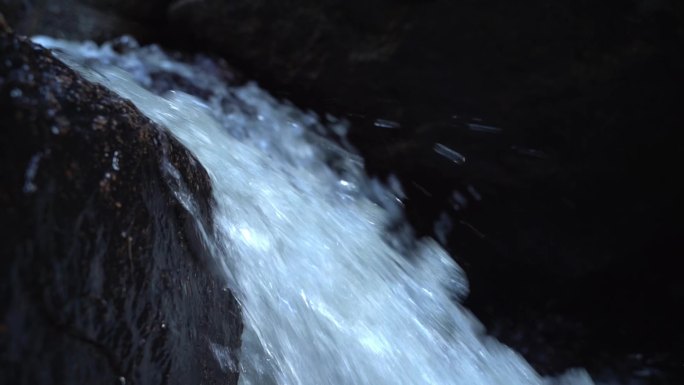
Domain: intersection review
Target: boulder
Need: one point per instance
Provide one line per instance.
(103, 277)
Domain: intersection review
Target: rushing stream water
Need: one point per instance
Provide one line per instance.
(328, 294)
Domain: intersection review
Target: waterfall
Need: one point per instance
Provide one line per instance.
(328, 294)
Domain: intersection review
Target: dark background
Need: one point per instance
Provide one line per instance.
(573, 249)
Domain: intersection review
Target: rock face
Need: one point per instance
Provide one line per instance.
(79, 19)
(103, 278)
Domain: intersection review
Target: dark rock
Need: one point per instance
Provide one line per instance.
(103, 278)
(3, 24)
(77, 19)
(142, 11)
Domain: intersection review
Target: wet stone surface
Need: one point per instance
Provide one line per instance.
(103, 276)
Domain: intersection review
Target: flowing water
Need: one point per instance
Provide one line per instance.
(328, 294)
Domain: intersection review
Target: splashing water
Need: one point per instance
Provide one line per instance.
(328, 295)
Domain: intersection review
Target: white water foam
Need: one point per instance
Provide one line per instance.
(328, 297)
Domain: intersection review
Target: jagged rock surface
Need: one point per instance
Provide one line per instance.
(103, 277)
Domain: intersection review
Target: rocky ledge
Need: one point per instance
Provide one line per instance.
(102, 277)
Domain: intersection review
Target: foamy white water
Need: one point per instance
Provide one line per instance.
(328, 295)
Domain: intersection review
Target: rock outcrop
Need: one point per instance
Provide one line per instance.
(103, 278)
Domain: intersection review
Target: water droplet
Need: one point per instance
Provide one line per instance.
(450, 154)
(474, 193)
(484, 128)
(16, 93)
(459, 201)
(384, 123)
(115, 161)
(31, 170)
(531, 152)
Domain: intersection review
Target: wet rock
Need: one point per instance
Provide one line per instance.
(103, 277)
(78, 19)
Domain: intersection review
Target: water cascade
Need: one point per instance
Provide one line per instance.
(329, 295)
